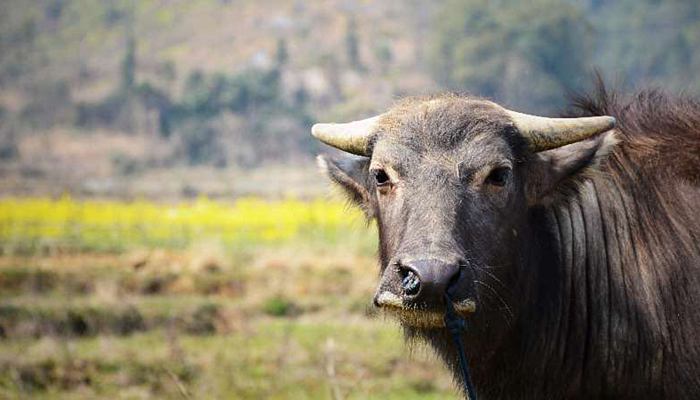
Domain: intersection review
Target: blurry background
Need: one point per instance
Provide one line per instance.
(163, 230)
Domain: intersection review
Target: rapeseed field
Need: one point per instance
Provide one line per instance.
(31, 224)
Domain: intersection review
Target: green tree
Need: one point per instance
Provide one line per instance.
(650, 42)
(282, 54)
(200, 141)
(383, 54)
(524, 56)
(128, 66)
(352, 44)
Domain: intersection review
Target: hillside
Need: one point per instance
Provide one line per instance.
(175, 98)
(333, 60)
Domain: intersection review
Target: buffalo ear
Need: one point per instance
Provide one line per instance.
(555, 171)
(350, 173)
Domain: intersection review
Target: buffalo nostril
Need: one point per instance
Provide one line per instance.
(410, 282)
(452, 283)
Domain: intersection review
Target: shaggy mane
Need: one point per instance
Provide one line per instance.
(659, 131)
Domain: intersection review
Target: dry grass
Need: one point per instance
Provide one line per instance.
(270, 319)
(273, 325)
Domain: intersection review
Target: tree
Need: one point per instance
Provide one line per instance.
(650, 42)
(383, 54)
(352, 44)
(523, 56)
(128, 67)
(282, 54)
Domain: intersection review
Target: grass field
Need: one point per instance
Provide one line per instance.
(246, 300)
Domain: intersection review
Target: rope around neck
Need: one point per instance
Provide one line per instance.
(456, 326)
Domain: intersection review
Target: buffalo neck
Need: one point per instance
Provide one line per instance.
(599, 313)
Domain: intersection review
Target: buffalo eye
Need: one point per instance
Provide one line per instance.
(498, 176)
(381, 177)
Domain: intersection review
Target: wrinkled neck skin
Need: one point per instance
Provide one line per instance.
(596, 313)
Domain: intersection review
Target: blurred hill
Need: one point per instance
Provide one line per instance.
(176, 98)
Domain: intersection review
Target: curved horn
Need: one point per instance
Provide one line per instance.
(352, 137)
(549, 133)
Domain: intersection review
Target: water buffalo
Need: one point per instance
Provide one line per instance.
(570, 245)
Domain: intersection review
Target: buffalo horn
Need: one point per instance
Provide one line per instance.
(544, 133)
(352, 137)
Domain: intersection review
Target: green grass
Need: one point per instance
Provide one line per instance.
(274, 323)
(267, 358)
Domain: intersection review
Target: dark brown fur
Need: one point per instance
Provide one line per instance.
(596, 293)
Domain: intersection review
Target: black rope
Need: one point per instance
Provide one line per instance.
(456, 326)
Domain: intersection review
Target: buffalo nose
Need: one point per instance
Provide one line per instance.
(426, 281)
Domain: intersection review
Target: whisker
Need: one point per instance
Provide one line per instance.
(506, 307)
(492, 276)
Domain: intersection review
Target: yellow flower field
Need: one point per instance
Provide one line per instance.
(28, 224)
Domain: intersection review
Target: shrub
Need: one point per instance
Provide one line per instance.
(279, 306)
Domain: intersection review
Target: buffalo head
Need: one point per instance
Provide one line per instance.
(450, 181)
